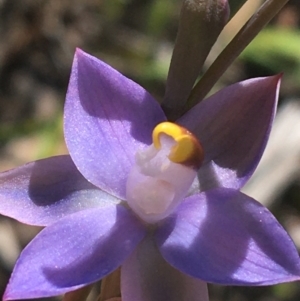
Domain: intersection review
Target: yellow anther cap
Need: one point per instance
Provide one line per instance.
(187, 150)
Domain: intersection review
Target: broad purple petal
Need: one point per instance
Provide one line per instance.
(107, 119)
(233, 126)
(42, 192)
(223, 236)
(146, 276)
(77, 250)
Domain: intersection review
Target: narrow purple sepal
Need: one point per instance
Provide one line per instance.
(108, 118)
(76, 251)
(146, 276)
(233, 127)
(41, 192)
(223, 236)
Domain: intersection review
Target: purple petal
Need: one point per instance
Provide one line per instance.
(41, 192)
(107, 119)
(223, 236)
(76, 251)
(233, 126)
(146, 276)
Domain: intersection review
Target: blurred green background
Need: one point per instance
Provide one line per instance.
(37, 43)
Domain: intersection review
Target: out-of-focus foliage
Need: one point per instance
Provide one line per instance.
(37, 43)
(276, 50)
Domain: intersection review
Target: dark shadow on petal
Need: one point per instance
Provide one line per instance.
(55, 178)
(207, 177)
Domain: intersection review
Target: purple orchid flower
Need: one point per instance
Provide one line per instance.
(212, 233)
